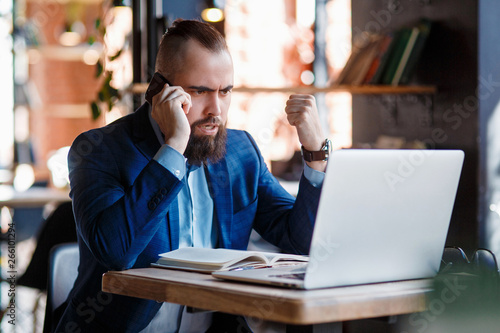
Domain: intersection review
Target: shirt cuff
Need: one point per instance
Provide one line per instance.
(172, 160)
(314, 177)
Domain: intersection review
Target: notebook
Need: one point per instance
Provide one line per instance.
(383, 216)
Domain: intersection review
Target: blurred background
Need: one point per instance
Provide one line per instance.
(71, 65)
(68, 54)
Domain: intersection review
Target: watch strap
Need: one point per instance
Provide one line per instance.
(320, 155)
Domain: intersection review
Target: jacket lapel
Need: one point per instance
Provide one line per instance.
(147, 143)
(219, 185)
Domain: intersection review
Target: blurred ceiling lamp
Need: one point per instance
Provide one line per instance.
(120, 3)
(121, 6)
(72, 35)
(70, 38)
(212, 14)
(122, 12)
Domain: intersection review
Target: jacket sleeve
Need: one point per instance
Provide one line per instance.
(281, 219)
(117, 212)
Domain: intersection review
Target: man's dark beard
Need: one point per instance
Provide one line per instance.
(206, 149)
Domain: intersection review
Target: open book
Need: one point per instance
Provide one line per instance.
(208, 260)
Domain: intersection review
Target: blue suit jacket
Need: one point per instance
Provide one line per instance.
(126, 212)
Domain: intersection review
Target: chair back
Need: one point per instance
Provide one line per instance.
(454, 260)
(485, 261)
(63, 270)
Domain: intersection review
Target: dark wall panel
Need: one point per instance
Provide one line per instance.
(448, 119)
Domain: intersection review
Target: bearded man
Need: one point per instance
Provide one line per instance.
(171, 175)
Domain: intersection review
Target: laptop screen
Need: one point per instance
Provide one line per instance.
(383, 215)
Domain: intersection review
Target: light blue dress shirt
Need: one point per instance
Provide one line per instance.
(196, 207)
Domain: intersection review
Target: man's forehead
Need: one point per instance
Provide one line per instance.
(210, 70)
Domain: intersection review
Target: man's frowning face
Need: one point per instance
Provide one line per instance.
(208, 77)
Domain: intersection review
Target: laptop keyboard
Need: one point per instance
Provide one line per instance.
(294, 276)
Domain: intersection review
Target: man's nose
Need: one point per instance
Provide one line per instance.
(213, 107)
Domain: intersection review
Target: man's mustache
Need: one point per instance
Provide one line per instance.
(208, 120)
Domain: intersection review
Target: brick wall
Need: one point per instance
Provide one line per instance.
(64, 88)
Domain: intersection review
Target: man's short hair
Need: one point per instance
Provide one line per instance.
(170, 51)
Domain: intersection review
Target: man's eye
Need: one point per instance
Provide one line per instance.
(225, 91)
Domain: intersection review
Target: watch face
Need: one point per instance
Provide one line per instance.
(328, 145)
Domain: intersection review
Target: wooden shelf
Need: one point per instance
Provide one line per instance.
(365, 89)
(63, 53)
(140, 88)
(63, 2)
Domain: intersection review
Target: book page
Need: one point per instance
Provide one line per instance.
(285, 257)
(203, 255)
(204, 259)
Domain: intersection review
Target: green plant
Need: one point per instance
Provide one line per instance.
(107, 96)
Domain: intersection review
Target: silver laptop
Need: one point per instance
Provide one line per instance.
(383, 216)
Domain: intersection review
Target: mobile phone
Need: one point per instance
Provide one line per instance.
(156, 85)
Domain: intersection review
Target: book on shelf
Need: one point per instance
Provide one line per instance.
(388, 59)
(385, 57)
(378, 63)
(208, 260)
(394, 58)
(425, 27)
(359, 62)
(408, 49)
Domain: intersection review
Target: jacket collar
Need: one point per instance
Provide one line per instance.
(146, 140)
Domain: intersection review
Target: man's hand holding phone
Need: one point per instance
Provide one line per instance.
(169, 109)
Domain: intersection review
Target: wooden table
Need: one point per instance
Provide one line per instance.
(296, 307)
